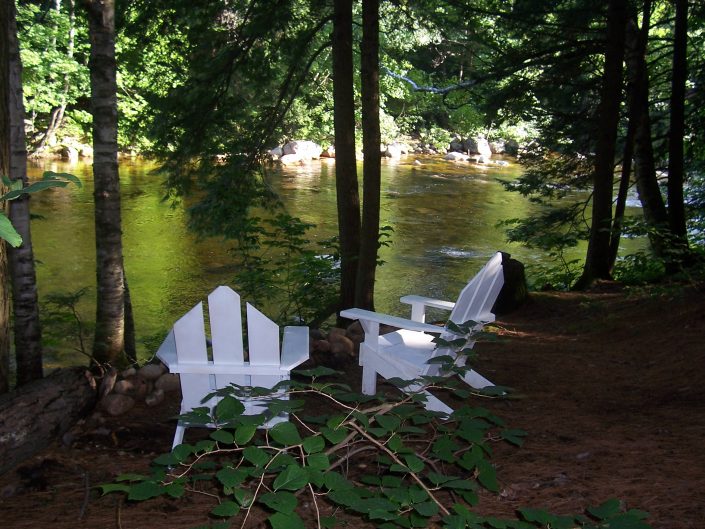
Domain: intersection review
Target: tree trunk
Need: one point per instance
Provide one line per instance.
(676, 177)
(597, 260)
(347, 192)
(371, 167)
(109, 342)
(4, 169)
(653, 206)
(39, 413)
(57, 115)
(25, 307)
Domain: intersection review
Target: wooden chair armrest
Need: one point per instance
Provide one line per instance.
(393, 321)
(428, 302)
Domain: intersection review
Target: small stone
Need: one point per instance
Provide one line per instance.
(151, 371)
(321, 346)
(316, 334)
(134, 386)
(355, 332)
(342, 347)
(154, 398)
(108, 382)
(336, 332)
(129, 372)
(168, 382)
(116, 404)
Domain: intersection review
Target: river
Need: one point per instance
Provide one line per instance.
(444, 217)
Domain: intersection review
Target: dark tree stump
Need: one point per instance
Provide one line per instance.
(514, 293)
(38, 413)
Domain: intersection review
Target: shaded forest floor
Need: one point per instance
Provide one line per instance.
(612, 395)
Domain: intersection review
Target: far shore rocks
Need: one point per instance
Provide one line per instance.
(472, 149)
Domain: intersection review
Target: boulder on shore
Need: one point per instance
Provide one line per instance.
(304, 149)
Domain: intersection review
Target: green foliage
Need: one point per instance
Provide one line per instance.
(17, 189)
(54, 70)
(62, 324)
(436, 137)
(638, 268)
(384, 459)
(281, 267)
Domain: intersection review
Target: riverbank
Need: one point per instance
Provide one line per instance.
(612, 386)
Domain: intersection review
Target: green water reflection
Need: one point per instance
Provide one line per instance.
(444, 217)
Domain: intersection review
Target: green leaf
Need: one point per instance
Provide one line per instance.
(256, 456)
(605, 510)
(427, 508)
(329, 521)
(285, 434)
(231, 477)
(282, 501)
(536, 515)
(175, 490)
(145, 491)
(63, 176)
(414, 463)
(439, 479)
(166, 460)
(440, 359)
(292, 478)
(318, 461)
(223, 437)
(228, 408)
(182, 452)
(114, 487)
(314, 444)
(334, 436)
(487, 476)
(8, 232)
(388, 422)
(319, 371)
(335, 481)
(244, 434)
(460, 484)
(243, 497)
(227, 508)
(516, 437)
(286, 521)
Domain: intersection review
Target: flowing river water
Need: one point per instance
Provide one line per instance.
(444, 217)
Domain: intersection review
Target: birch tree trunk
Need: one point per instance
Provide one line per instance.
(4, 169)
(28, 339)
(109, 342)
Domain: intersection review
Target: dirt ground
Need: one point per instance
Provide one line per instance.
(611, 387)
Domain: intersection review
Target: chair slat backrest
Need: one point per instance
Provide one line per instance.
(479, 295)
(190, 340)
(225, 315)
(263, 345)
(226, 326)
(190, 337)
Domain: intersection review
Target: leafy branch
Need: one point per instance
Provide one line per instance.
(18, 189)
(385, 459)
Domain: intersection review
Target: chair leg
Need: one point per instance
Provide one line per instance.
(476, 380)
(369, 380)
(433, 403)
(178, 435)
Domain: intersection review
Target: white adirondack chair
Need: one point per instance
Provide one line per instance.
(405, 353)
(185, 351)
